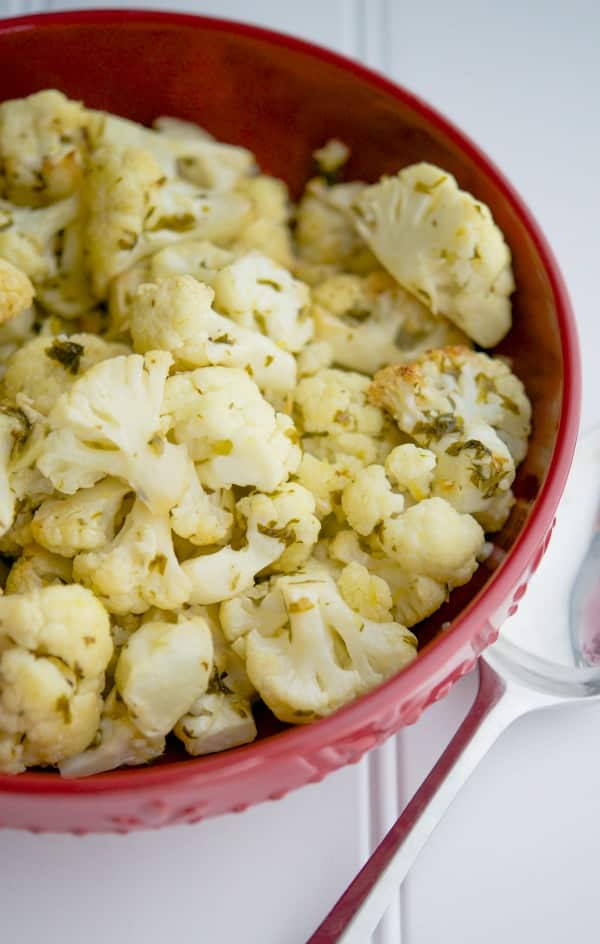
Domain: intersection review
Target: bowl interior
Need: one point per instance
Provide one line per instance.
(282, 101)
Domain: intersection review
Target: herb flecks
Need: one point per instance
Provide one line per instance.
(286, 534)
(271, 284)
(436, 427)
(63, 706)
(159, 564)
(301, 605)
(67, 353)
(218, 684)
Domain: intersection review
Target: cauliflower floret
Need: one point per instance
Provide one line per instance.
(14, 333)
(368, 500)
(180, 149)
(370, 321)
(38, 568)
(22, 486)
(239, 615)
(42, 143)
(434, 540)
(316, 356)
(176, 315)
(414, 596)
(343, 447)
(109, 423)
(231, 432)
(138, 568)
(327, 480)
(43, 368)
(14, 429)
(28, 238)
(18, 535)
(335, 401)
(443, 246)
(258, 294)
(366, 593)
(163, 668)
(325, 232)
(268, 527)
(118, 742)
(85, 521)
(217, 721)
(133, 211)
(220, 718)
(337, 420)
(295, 506)
(430, 540)
(55, 644)
(472, 412)
(268, 229)
(197, 257)
(320, 654)
(67, 291)
(411, 469)
(203, 517)
(16, 291)
(331, 159)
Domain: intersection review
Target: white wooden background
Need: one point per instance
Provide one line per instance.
(515, 858)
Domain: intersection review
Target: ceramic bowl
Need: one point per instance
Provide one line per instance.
(282, 98)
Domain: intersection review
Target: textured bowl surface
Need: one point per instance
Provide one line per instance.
(282, 98)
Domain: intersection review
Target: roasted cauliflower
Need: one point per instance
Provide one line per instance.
(315, 653)
(55, 644)
(443, 246)
(109, 423)
(473, 413)
(245, 444)
(175, 314)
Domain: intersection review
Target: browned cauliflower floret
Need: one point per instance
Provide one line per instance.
(43, 139)
(473, 413)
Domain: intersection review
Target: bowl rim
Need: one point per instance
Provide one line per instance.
(328, 731)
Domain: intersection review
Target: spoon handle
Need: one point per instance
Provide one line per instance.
(356, 914)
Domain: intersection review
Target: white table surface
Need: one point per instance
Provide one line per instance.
(515, 858)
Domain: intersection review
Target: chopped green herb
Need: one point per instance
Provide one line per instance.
(222, 447)
(437, 427)
(285, 534)
(217, 684)
(274, 285)
(128, 240)
(159, 563)
(67, 353)
(301, 606)
(63, 706)
(178, 223)
(509, 404)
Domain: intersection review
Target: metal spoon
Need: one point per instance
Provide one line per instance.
(532, 665)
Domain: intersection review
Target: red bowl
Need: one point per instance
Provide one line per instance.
(282, 98)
